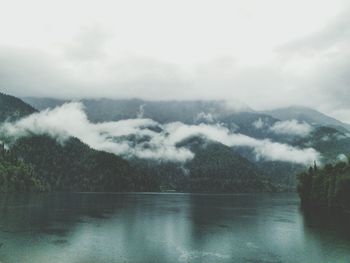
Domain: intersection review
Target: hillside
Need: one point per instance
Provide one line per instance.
(12, 108)
(308, 115)
(100, 110)
(328, 141)
(217, 167)
(248, 122)
(17, 176)
(74, 166)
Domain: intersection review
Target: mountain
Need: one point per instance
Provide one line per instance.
(308, 115)
(244, 120)
(329, 141)
(15, 175)
(215, 168)
(43, 103)
(253, 124)
(71, 166)
(99, 110)
(328, 136)
(248, 122)
(218, 168)
(74, 166)
(189, 112)
(12, 108)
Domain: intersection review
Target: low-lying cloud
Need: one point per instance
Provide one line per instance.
(145, 138)
(342, 158)
(258, 124)
(292, 127)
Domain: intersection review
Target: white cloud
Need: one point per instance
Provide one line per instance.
(141, 111)
(258, 124)
(325, 138)
(207, 117)
(342, 158)
(71, 120)
(292, 127)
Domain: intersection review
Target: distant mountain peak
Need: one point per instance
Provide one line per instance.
(12, 108)
(309, 115)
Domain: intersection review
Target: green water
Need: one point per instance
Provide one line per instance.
(108, 228)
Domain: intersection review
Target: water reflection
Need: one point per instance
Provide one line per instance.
(77, 228)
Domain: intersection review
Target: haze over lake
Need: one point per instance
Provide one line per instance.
(77, 228)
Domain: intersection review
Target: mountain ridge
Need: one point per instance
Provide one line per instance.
(191, 107)
(74, 166)
(309, 115)
(251, 123)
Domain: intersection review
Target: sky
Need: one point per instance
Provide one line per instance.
(267, 54)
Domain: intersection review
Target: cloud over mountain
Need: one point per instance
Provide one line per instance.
(292, 127)
(145, 138)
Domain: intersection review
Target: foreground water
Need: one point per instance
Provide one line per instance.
(108, 228)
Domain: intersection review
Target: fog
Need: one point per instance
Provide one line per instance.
(145, 138)
(292, 127)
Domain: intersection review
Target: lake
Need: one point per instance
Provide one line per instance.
(146, 227)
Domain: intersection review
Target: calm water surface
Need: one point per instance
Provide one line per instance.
(108, 228)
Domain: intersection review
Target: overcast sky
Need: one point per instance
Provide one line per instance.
(266, 54)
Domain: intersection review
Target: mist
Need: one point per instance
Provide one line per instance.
(292, 127)
(145, 138)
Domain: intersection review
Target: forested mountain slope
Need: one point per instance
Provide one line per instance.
(329, 141)
(74, 166)
(17, 176)
(308, 115)
(12, 108)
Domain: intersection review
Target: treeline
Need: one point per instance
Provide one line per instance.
(12, 108)
(217, 168)
(328, 187)
(40, 163)
(16, 176)
(74, 166)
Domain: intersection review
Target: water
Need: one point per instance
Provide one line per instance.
(108, 228)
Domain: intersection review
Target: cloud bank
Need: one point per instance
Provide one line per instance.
(292, 127)
(145, 138)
